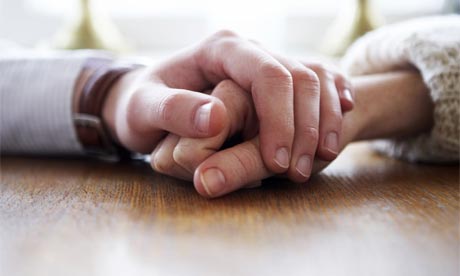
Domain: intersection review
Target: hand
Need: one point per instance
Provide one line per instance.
(380, 101)
(148, 103)
(220, 172)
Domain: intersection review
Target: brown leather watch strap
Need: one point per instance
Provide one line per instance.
(97, 88)
(88, 122)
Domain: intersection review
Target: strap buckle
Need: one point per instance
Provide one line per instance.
(94, 136)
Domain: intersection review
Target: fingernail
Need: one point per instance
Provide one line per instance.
(303, 165)
(332, 142)
(282, 157)
(347, 94)
(213, 181)
(202, 118)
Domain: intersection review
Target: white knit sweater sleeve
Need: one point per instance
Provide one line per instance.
(36, 91)
(432, 45)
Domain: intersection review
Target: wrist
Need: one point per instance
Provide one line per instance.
(115, 102)
(91, 89)
(357, 121)
(389, 105)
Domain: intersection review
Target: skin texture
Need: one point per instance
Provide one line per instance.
(288, 98)
(395, 104)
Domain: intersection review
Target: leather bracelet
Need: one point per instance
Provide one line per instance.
(90, 128)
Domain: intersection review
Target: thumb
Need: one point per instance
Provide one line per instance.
(241, 118)
(154, 110)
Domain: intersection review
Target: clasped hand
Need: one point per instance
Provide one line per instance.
(284, 111)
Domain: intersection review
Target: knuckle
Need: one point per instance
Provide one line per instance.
(339, 77)
(302, 73)
(182, 155)
(308, 76)
(319, 68)
(225, 33)
(342, 80)
(274, 71)
(228, 43)
(162, 165)
(244, 163)
(166, 106)
(328, 76)
(311, 134)
(224, 39)
(226, 85)
(323, 72)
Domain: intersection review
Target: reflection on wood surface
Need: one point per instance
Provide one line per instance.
(365, 215)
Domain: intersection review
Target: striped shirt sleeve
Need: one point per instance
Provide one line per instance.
(36, 91)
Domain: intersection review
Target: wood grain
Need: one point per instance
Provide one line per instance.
(365, 215)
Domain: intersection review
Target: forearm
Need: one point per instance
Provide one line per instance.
(389, 105)
(386, 105)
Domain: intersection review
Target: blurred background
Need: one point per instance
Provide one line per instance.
(157, 28)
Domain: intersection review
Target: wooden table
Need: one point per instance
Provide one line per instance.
(365, 215)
